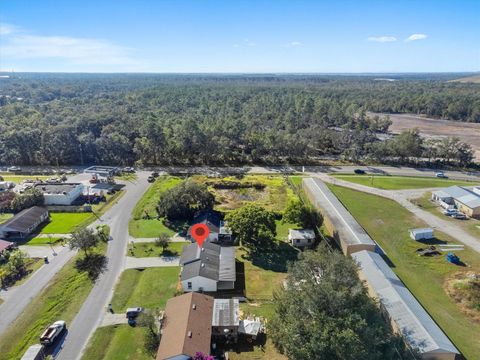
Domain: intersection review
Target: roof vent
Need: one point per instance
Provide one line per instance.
(203, 249)
(194, 306)
(189, 334)
(203, 265)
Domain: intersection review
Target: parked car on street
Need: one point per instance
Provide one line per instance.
(359, 171)
(450, 212)
(441, 175)
(53, 332)
(151, 179)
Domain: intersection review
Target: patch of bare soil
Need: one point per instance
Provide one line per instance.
(234, 198)
(464, 288)
(438, 128)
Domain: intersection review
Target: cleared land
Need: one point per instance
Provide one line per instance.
(400, 182)
(469, 79)
(149, 249)
(17, 179)
(60, 300)
(388, 224)
(117, 342)
(438, 128)
(149, 288)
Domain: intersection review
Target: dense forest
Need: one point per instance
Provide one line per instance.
(147, 119)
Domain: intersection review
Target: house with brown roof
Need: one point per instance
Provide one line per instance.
(192, 321)
(186, 327)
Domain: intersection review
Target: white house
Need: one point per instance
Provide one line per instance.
(208, 268)
(301, 237)
(420, 234)
(60, 193)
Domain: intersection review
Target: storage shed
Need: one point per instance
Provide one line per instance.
(346, 231)
(406, 314)
(421, 234)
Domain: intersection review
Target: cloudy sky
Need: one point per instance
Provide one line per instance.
(240, 36)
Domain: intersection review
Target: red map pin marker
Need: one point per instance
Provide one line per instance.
(200, 232)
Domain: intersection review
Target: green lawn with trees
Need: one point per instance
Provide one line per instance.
(145, 222)
(149, 288)
(388, 223)
(401, 182)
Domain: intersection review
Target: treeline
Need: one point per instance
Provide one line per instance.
(186, 119)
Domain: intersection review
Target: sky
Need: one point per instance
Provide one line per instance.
(240, 36)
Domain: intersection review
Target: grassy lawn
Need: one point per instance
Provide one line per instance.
(43, 240)
(282, 229)
(388, 223)
(148, 249)
(117, 342)
(265, 352)
(64, 223)
(400, 182)
(5, 217)
(149, 288)
(149, 228)
(61, 299)
(471, 226)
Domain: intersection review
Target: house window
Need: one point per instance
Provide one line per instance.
(298, 241)
(189, 285)
(309, 241)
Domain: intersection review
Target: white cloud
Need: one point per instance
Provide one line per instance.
(382, 39)
(293, 44)
(22, 45)
(414, 37)
(6, 29)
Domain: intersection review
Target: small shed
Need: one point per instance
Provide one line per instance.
(301, 237)
(421, 234)
(34, 352)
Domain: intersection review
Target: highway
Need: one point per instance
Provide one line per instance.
(93, 309)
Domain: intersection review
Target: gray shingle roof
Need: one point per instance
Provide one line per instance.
(211, 261)
(416, 325)
(24, 220)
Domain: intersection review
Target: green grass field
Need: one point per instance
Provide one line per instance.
(43, 240)
(139, 227)
(400, 182)
(282, 229)
(149, 249)
(149, 288)
(119, 342)
(64, 223)
(61, 299)
(388, 223)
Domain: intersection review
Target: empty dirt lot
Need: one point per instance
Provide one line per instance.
(467, 132)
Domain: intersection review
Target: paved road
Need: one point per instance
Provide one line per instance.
(18, 297)
(402, 197)
(146, 262)
(93, 309)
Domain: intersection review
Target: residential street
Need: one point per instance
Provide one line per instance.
(92, 311)
(401, 197)
(18, 297)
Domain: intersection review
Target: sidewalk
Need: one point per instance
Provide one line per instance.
(174, 238)
(146, 262)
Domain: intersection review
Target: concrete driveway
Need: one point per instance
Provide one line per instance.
(146, 262)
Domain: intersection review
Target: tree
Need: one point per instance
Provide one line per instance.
(324, 312)
(297, 212)
(29, 198)
(83, 239)
(184, 199)
(163, 240)
(152, 335)
(252, 225)
(16, 263)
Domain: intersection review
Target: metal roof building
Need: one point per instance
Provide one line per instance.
(406, 314)
(466, 200)
(24, 223)
(348, 233)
